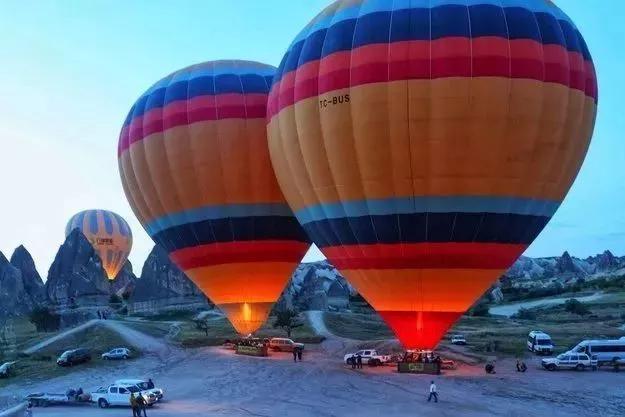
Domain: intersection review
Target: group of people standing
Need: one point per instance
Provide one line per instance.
(138, 403)
(356, 362)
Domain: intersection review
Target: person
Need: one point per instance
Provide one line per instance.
(433, 392)
(150, 384)
(141, 405)
(359, 361)
(134, 405)
(300, 353)
(99, 315)
(490, 368)
(29, 410)
(518, 365)
(294, 354)
(523, 366)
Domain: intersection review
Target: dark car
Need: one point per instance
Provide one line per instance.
(73, 357)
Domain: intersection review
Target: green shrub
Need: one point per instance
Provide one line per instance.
(574, 306)
(525, 314)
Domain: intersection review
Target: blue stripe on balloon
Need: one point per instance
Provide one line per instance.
(93, 221)
(373, 6)
(215, 213)
(213, 69)
(108, 222)
(409, 205)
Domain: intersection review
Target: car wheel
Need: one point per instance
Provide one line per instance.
(551, 367)
(102, 403)
(580, 367)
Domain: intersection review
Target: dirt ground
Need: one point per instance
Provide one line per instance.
(216, 382)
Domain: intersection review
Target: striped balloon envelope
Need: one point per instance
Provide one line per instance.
(424, 144)
(195, 166)
(108, 233)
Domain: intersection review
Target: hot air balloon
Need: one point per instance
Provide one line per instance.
(195, 167)
(108, 233)
(424, 144)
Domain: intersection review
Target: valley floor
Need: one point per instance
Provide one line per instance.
(212, 381)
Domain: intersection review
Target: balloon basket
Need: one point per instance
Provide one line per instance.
(419, 368)
(252, 350)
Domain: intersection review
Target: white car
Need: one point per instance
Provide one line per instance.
(119, 395)
(569, 360)
(539, 343)
(458, 339)
(369, 357)
(143, 385)
(5, 369)
(117, 353)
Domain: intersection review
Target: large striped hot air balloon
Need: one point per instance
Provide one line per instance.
(195, 166)
(424, 144)
(108, 233)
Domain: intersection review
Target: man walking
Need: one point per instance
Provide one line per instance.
(359, 361)
(433, 393)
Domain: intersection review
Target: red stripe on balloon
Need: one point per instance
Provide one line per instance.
(419, 329)
(442, 58)
(197, 109)
(239, 252)
(425, 255)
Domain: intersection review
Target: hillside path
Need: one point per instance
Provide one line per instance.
(134, 337)
(60, 336)
(508, 310)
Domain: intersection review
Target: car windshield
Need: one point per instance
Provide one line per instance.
(143, 385)
(66, 354)
(562, 356)
(543, 342)
(133, 389)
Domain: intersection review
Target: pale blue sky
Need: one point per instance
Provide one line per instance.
(71, 69)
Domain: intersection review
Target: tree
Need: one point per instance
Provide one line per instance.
(115, 300)
(202, 324)
(287, 320)
(574, 306)
(479, 310)
(45, 320)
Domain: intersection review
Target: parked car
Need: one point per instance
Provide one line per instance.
(119, 394)
(569, 360)
(282, 344)
(73, 357)
(608, 352)
(6, 369)
(143, 385)
(458, 339)
(117, 353)
(369, 357)
(539, 343)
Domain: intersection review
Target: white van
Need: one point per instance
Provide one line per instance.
(539, 343)
(606, 351)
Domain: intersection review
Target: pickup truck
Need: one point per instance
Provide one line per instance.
(118, 394)
(369, 357)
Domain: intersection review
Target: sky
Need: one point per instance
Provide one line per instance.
(71, 69)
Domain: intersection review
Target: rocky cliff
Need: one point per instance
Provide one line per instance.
(564, 270)
(76, 275)
(33, 284)
(14, 298)
(316, 286)
(161, 279)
